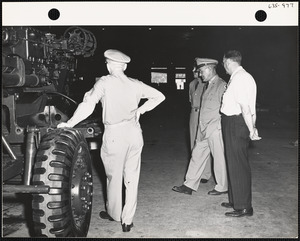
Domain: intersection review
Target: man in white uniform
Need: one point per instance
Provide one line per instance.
(122, 138)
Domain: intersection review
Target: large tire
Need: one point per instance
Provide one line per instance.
(63, 163)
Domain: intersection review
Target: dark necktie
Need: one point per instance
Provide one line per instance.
(206, 85)
(196, 85)
(204, 89)
(228, 83)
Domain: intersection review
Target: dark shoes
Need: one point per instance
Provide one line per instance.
(203, 180)
(105, 215)
(183, 189)
(237, 213)
(215, 192)
(126, 227)
(240, 213)
(227, 205)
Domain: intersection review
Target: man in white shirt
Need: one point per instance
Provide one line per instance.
(122, 138)
(238, 126)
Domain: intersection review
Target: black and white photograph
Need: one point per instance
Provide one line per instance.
(168, 127)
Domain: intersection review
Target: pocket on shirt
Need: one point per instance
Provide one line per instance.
(212, 104)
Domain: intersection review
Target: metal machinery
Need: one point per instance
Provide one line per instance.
(54, 165)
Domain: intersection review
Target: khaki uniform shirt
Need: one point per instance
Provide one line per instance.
(195, 94)
(210, 117)
(120, 97)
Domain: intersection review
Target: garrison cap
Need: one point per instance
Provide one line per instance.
(117, 56)
(200, 62)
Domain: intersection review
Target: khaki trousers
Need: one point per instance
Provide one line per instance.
(194, 118)
(121, 155)
(201, 155)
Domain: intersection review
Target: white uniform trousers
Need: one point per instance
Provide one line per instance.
(201, 155)
(194, 116)
(121, 155)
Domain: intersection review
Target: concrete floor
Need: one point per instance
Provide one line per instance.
(167, 214)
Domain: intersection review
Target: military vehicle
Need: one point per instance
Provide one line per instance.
(53, 164)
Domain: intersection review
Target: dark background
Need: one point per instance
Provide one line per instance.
(270, 54)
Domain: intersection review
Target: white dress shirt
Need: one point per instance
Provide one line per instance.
(241, 89)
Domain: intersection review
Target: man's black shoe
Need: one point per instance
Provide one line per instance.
(240, 213)
(227, 205)
(203, 180)
(183, 189)
(215, 192)
(105, 215)
(126, 227)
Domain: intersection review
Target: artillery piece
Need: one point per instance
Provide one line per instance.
(54, 165)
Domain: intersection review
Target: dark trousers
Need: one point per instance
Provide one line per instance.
(236, 141)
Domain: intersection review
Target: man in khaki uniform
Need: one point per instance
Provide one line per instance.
(122, 138)
(195, 92)
(209, 135)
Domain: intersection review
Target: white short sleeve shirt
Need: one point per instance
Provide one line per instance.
(241, 89)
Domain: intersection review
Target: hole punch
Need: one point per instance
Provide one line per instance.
(53, 14)
(260, 15)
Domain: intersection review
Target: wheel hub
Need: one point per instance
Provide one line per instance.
(81, 188)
